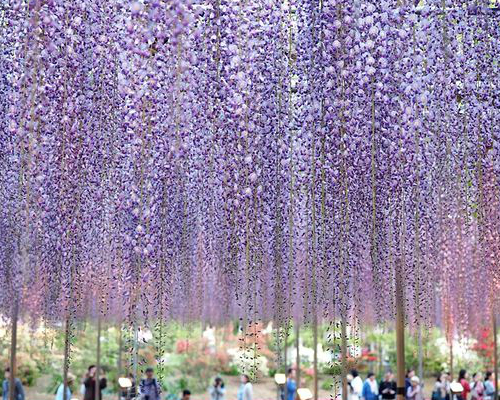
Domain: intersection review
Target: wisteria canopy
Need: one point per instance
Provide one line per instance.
(256, 159)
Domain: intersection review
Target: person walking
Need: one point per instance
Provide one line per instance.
(409, 374)
(388, 387)
(370, 388)
(149, 388)
(18, 387)
(463, 380)
(356, 388)
(489, 386)
(291, 385)
(477, 388)
(415, 390)
(90, 384)
(440, 387)
(60, 389)
(245, 391)
(217, 390)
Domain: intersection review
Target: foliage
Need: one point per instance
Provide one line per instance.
(34, 351)
(485, 347)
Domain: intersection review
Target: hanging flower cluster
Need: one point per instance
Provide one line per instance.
(264, 160)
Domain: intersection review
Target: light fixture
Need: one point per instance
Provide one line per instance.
(304, 394)
(125, 383)
(280, 379)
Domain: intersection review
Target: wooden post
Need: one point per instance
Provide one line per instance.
(381, 355)
(67, 339)
(451, 358)
(420, 356)
(98, 363)
(13, 350)
(343, 353)
(400, 338)
(315, 354)
(495, 354)
(297, 344)
(136, 353)
(120, 351)
(285, 358)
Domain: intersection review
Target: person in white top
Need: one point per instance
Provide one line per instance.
(415, 390)
(245, 392)
(356, 386)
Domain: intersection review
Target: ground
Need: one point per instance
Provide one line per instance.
(264, 389)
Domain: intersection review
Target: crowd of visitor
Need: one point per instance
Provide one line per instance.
(478, 387)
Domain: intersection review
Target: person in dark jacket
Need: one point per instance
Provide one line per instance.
(388, 387)
(409, 374)
(19, 390)
(90, 384)
(149, 388)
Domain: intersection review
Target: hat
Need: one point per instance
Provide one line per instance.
(415, 379)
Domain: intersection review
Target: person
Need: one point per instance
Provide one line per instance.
(149, 388)
(60, 389)
(245, 392)
(388, 387)
(90, 383)
(370, 388)
(186, 394)
(447, 376)
(356, 385)
(18, 387)
(409, 374)
(489, 386)
(463, 377)
(440, 390)
(415, 390)
(291, 385)
(477, 388)
(217, 391)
